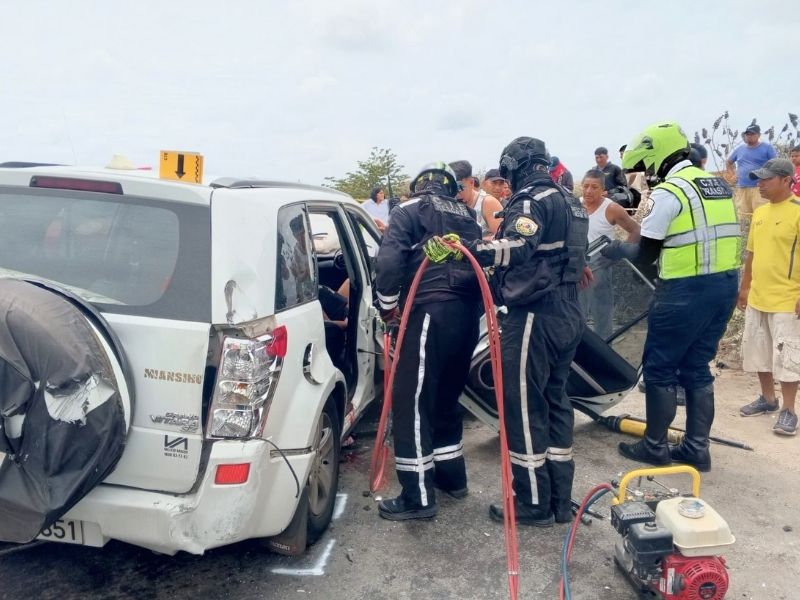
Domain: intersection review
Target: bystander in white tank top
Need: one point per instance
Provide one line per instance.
(478, 208)
(598, 223)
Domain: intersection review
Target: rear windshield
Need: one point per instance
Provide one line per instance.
(124, 254)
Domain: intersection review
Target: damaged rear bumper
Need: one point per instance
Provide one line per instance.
(214, 515)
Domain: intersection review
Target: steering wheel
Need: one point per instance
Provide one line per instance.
(338, 260)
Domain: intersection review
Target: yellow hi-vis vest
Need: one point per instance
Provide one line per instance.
(705, 237)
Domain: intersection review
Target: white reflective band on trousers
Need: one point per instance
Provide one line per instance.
(559, 454)
(448, 452)
(418, 465)
(529, 459)
(423, 337)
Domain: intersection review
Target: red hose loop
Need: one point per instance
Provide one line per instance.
(381, 450)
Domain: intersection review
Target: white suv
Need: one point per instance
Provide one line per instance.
(218, 415)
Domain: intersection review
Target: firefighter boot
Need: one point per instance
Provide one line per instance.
(525, 514)
(693, 449)
(661, 403)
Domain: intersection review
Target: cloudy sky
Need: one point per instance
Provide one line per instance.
(302, 90)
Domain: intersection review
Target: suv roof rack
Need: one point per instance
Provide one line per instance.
(16, 164)
(234, 183)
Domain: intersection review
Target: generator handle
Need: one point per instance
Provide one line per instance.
(655, 471)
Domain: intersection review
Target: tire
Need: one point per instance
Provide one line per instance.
(64, 407)
(323, 481)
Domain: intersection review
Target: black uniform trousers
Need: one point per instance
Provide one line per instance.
(434, 364)
(538, 344)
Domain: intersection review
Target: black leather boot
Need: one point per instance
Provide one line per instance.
(525, 514)
(693, 450)
(661, 404)
(400, 509)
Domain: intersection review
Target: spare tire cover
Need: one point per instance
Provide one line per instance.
(62, 419)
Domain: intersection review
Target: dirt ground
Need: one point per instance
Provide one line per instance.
(755, 491)
(733, 388)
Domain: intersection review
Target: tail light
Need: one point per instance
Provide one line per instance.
(232, 474)
(246, 380)
(81, 185)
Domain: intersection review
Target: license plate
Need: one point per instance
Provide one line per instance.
(66, 531)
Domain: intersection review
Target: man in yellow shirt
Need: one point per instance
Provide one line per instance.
(770, 295)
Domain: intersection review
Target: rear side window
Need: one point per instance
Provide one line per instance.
(125, 254)
(296, 275)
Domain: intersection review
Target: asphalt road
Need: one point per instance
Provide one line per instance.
(459, 554)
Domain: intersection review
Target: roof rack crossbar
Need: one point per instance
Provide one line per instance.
(234, 183)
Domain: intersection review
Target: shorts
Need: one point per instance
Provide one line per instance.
(771, 344)
(747, 199)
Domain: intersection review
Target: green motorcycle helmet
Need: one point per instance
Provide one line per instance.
(656, 150)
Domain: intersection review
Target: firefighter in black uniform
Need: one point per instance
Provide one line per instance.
(537, 258)
(440, 337)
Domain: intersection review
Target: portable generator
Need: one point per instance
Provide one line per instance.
(670, 543)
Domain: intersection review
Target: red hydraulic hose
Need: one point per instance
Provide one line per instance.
(380, 452)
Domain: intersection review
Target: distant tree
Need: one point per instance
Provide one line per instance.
(380, 169)
(722, 140)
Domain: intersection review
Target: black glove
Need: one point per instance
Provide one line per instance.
(390, 318)
(617, 250)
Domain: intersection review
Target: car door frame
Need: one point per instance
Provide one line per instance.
(363, 391)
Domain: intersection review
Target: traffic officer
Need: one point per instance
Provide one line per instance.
(537, 258)
(690, 228)
(437, 349)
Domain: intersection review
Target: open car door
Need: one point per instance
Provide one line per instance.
(603, 370)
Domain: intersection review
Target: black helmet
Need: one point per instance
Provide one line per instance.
(436, 177)
(524, 153)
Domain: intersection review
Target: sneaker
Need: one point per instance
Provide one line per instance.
(786, 424)
(759, 406)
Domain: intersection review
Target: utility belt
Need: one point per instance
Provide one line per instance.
(451, 280)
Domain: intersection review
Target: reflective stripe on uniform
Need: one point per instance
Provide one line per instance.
(528, 461)
(700, 224)
(559, 454)
(388, 299)
(388, 302)
(423, 337)
(551, 246)
(448, 452)
(691, 237)
(523, 401)
(545, 193)
(502, 250)
(418, 465)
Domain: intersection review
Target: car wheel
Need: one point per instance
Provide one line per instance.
(323, 481)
